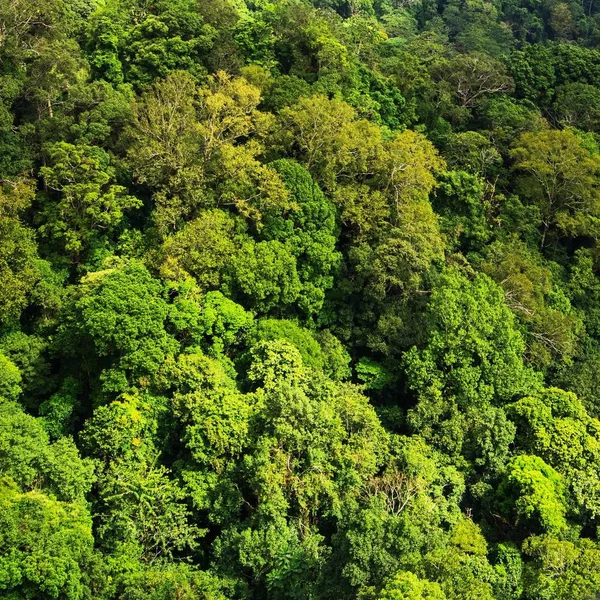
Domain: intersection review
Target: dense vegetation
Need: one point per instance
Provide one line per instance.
(299, 299)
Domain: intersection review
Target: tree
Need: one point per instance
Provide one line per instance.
(47, 545)
(476, 76)
(472, 357)
(18, 250)
(313, 447)
(264, 276)
(185, 147)
(555, 426)
(537, 299)
(89, 201)
(117, 319)
(465, 215)
(560, 568)
(407, 168)
(407, 586)
(474, 153)
(309, 231)
(558, 175)
(383, 532)
(461, 567)
(302, 339)
(576, 105)
(399, 262)
(211, 321)
(214, 421)
(202, 248)
(329, 141)
(165, 148)
(170, 36)
(533, 492)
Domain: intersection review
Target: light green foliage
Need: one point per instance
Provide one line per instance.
(546, 418)
(174, 581)
(335, 146)
(535, 492)
(27, 352)
(89, 202)
(142, 506)
(214, 414)
(212, 322)
(59, 410)
(372, 374)
(10, 379)
(27, 456)
(170, 36)
(314, 446)
(203, 249)
(326, 134)
(407, 168)
(46, 546)
(509, 570)
(474, 153)
(335, 357)
(459, 200)
(461, 567)
(385, 532)
(224, 321)
(117, 300)
(242, 182)
(404, 252)
(407, 586)
(275, 361)
(555, 425)
(558, 175)
(472, 356)
(124, 430)
(533, 295)
(302, 339)
(561, 569)
(18, 250)
(185, 139)
(119, 313)
(165, 148)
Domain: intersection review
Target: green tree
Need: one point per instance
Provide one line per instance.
(89, 202)
(117, 319)
(46, 545)
(561, 568)
(202, 248)
(407, 586)
(558, 174)
(18, 250)
(264, 276)
(532, 492)
(472, 357)
(170, 36)
(309, 231)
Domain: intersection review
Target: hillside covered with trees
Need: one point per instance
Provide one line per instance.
(299, 299)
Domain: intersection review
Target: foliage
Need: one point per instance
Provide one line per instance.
(299, 299)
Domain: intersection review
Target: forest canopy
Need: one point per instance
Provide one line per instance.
(299, 299)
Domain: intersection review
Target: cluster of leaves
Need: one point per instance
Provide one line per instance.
(300, 300)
